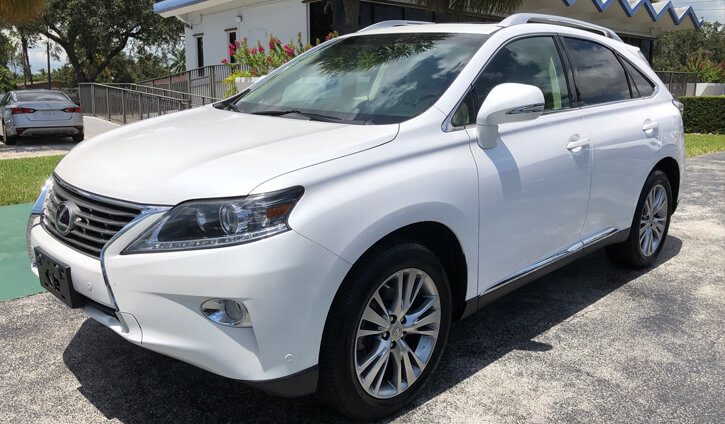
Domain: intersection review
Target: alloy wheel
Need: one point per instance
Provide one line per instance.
(653, 220)
(397, 333)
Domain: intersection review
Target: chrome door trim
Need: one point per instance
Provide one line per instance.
(596, 237)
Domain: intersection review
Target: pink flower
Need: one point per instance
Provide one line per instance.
(231, 50)
(254, 51)
(271, 44)
(327, 37)
(224, 61)
(236, 43)
(261, 49)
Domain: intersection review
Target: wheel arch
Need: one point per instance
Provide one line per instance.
(444, 243)
(671, 168)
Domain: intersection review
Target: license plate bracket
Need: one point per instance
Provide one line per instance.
(55, 277)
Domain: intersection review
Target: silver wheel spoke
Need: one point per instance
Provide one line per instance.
(653, 220)
(397, 333)
(372, 316)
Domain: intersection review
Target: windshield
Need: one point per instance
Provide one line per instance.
(41, 96)
(368, 79)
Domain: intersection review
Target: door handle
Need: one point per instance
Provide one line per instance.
(649, 127)
(577, 144)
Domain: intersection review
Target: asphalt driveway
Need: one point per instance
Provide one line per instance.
(588, 343)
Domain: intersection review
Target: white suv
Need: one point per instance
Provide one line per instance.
(321, 230)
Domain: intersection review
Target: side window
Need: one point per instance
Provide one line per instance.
(600, 78)
(533, 61)
(644, 86)
(466, 112)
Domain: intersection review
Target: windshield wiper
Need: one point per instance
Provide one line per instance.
(312, 116)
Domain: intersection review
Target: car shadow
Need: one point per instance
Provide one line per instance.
(39, 143)
(133, 385)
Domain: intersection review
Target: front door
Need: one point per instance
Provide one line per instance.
(534, 185)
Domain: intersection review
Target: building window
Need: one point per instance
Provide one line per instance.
(199, 51)
(231, 39)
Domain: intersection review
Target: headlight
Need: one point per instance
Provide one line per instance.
(203, 224)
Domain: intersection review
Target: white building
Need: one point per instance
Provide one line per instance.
(210, 25)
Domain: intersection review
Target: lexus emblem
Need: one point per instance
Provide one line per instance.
(65, 217)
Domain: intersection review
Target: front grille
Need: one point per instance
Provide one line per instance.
(97, 220)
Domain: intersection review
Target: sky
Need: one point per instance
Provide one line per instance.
(710, 10)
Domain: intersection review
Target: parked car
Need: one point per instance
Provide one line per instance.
(39, 112)
(321, 231)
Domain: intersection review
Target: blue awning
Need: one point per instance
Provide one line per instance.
(655, 10)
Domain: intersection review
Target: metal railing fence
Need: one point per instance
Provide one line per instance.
(124, 105)
(193, 99)
(679, 83)
(207, 81)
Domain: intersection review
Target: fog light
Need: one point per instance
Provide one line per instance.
(226, 312)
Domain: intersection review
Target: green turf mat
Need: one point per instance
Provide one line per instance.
(16, 279)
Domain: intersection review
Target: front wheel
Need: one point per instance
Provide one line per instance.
(649, 225)
(385, 332)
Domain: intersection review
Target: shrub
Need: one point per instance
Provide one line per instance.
(706, 69)
(259, 61)
(705, 114)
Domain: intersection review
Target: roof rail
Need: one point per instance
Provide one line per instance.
(527, 18)
(393, 23)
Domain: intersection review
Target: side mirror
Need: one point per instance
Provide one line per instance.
(507, 102)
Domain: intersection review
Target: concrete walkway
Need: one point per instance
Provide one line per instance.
(589, 343)
(48, 146)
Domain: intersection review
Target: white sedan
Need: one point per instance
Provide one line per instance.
(39, 113)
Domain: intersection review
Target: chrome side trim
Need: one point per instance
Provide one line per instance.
(535, 108)
(601, 235)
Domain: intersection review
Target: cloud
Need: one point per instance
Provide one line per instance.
(39, 59)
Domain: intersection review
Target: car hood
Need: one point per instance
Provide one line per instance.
(208, 152)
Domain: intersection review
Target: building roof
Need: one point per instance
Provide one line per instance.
(636, 17)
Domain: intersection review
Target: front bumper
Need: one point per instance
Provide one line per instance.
(286, 282)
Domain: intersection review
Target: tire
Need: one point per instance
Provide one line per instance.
(635, 252)
(344, 349)
(10, 140)
(78, 138)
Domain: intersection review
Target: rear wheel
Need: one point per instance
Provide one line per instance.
(649, 225)
(78, 138)
(10, 140)
(385, 332)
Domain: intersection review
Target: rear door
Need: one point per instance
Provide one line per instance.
(624, 130)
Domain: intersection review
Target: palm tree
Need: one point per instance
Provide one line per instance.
(19, 11)
(178, 61)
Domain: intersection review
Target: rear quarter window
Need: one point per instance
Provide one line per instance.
(600, 78)
(643, 86)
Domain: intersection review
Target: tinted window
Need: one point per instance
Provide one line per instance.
(640, 82)
(41, 96)
(600, 77)
(367, 79)
(466, 112)
(533, 61)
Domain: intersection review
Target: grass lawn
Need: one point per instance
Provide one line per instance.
(700, 144)
(21, 179)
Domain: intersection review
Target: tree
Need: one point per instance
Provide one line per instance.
(93, 33)
(178, 61)
(672, 49)
(6, 80)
